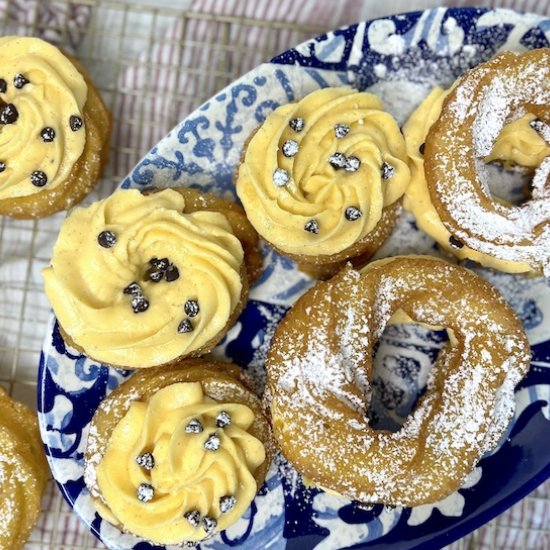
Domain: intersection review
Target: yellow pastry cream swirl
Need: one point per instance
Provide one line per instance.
(317, 173)
(519, 143)
(42, 97)
(179, 466)
(137, 283)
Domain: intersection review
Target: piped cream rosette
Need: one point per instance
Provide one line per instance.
(317, 174)
(178, 454)
(134, 282)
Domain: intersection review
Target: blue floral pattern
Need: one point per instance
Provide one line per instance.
(420, 49)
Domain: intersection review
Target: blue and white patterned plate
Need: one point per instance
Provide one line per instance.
(399, 58)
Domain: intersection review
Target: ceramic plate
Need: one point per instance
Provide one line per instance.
(400, 58)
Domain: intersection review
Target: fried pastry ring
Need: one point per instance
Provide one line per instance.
(320, 365)
(473, 115)
(23, 472)
(178, 454)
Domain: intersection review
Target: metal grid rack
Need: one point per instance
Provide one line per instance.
(114, 36)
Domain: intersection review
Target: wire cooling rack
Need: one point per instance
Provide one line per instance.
(108, 42)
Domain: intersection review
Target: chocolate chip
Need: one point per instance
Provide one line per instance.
(352, 164)
(191, 308)
(145, 492)
(209, 524)
(312, 227)
(227, 503)
(107, 239)
(341, 130)
(337, 160)
(387, 171)
(538, 125)
(75, 123)
(146, 461)
(280, 177)
(133, 288)
(38, 178)
(422, 148)
(47, 134)
(19, 81)
(161, 264)
(213, 442)
(9, 114)
(290, 148)
(194, 427)
(223, 419)
(140, 304)
(297, 124)
(351, 213)
(185, 326)
(171, 274)
(154, 275)
(3, 86)
(193, 517)
(455, 243)
(2, 167)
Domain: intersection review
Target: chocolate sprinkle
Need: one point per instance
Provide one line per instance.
(107, 239)
(209, 524)
(47, 134)
(9, 114)
(352, 164)
(422, 148)
(213, 442)
(140, 304)
(338, 160)
(290, 148)
(193, 517)
(75, 123)
(351, 214)
(191, 308)
(341, 130)
(387, 171)
(171, 274)
(145, 492)
(194, 427)
(297, 124)
(38, 178)
(3, 86)
(223, 419)
(185, 326)
(227, 503)
(455, 243)
(146, 461)
(19, 81)
(280, 177)
(133, 288)
(2, 167)
(312, 227)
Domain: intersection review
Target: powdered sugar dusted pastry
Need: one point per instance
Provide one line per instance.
(54, 129)
(498, 111)
(320, 367)
(178, 454)
(318, 175)
(139, 281)
(23, 472)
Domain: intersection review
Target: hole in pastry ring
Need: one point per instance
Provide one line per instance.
(474, 113)
(320, 366)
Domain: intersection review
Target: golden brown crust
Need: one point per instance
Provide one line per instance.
(86, 171)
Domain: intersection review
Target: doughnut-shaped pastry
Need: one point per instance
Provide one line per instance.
(316, 176)
(23, 472)
(472, 117)
(151, 281)
(55, 129)
(178, 454)
(320, 366)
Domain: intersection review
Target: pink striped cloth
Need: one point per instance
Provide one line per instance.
(170, 95)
